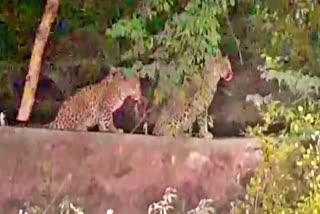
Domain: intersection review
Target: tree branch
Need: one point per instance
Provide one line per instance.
(235, 38)
(32, 77)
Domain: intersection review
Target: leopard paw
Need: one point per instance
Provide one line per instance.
(207, 135)
(119, 131)
(210, 121)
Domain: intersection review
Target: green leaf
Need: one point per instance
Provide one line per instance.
(157, 24)
(232, 48)
(128, 72)
(129, 3)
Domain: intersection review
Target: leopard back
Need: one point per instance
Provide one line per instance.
(84, 108)
(216, 68)
(75, 109)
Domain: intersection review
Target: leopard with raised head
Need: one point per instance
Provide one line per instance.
(94, 104)
(183, 110)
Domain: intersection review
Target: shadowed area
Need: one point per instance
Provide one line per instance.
(123, 172)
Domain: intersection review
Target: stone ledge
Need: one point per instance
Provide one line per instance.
(120, 171)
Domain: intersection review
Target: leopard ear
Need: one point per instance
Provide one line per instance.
(136, 74)
(113, 70)
(212, 60)
(215, 59)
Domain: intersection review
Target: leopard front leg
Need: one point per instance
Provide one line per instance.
(106, 123)
(202, 120)
(210, 121)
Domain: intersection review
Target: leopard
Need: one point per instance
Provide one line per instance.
(183, 109)
(94, 105)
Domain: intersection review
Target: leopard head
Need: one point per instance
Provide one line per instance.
(131, 87)
(222, 67)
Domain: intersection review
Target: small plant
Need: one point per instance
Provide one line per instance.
(166, 204)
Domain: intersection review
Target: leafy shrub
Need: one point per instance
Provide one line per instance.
(170, 42)
(292, 56)
(288, 181)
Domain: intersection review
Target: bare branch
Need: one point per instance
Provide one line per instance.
(32, 77)
(235, 38)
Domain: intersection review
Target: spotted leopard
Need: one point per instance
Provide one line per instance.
(95, 104)
(182, 111)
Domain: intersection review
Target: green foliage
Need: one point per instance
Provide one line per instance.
(78, 13)
(17, 19)
(8, 69)
(292, 56)
(288, 181)
(304, 86)
(8, 43)
(128, 72)
(285, 35)
(168, 41)
(17, 22)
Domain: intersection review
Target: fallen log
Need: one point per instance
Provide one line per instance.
(124, 172)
